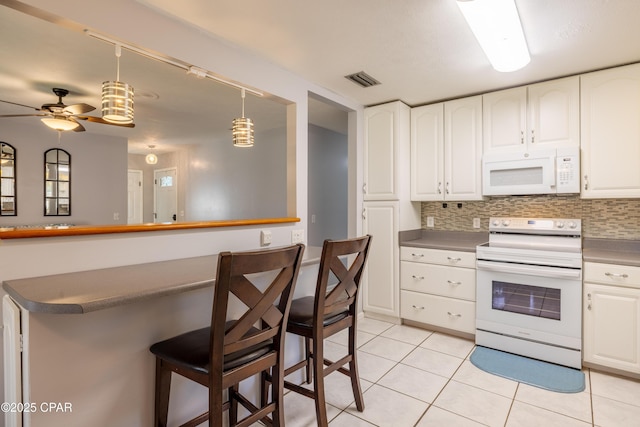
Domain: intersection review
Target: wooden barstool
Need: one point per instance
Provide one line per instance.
(220, 356)
(332, 310)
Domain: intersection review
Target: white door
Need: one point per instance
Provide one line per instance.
(134, 197)
(165, 195)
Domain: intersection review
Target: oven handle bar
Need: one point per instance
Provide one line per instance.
(531, 270)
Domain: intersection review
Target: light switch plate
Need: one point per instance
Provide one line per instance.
(297, 236)
(430, 221)
(265, 237)
(476, 222)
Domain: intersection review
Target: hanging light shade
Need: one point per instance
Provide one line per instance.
(242, 129)
(117, 98)
(60, 123)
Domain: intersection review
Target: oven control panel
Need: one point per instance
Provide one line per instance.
(536, 225)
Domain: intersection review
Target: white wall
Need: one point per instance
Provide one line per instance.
(98, 174)
(131, 21)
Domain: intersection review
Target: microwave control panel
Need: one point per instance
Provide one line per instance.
(568, 172)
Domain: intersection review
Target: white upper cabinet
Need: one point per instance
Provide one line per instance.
(386, 128)
(446, 150)
(542, 115)
(610, 125)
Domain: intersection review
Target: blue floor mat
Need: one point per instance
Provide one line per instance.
(528, 371)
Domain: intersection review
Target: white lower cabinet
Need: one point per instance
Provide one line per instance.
(438, 287)
(612, 316)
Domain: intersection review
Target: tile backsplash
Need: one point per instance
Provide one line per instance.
(601, 218)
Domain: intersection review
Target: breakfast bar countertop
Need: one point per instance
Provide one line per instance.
(91, 290)
(611, 251)
(464, 241)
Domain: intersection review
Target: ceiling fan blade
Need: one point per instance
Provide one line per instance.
(79, 128)
(23, 115)
(20, 105)
(78, 108)
(104, 122)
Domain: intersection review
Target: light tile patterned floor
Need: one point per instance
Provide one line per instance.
(414, 377)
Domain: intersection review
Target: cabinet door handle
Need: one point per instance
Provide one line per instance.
(454, 315)
(417, 255)
(616, 275)
(364, 188)
(521, 137)
(364, 213)
(588, 301)
(533, 139)
(454, 259)
(586, 182)
(447, 187)
(416, 307)
(418, 277)
(452, 283)
(440, 187)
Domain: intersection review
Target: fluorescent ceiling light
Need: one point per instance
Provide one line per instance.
(496, 25)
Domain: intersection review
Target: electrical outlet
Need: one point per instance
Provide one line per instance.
(116, 216)
(430, 221)
(297, 236)
(476, 222)
(265, 237)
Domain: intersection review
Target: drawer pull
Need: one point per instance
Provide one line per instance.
(588, 301)
(617, 275)
(452, 283)
(418, 277)
(416, 307)
(417, 255)
(454, 259)
(454, 315)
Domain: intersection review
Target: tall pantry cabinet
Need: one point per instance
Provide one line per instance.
(387, 208)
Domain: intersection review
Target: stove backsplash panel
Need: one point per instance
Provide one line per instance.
(601, 218)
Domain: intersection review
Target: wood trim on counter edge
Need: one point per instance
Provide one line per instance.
(25, 233)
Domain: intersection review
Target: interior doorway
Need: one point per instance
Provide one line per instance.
(134, 197)
(328, 172)
(165, 195)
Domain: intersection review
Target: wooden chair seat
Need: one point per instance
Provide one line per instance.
(301, 314)
(191, 351)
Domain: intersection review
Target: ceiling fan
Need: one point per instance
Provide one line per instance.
(64, 117)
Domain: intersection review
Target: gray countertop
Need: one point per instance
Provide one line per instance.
(448, 240)
(611, 251)
(86, 291)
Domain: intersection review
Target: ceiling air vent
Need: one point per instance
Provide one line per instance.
(363, 79)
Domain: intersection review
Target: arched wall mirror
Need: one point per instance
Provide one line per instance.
(187, 120)
(7, 180)
(57, 183)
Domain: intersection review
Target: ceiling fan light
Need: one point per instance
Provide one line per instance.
(242, 132)
(60, 123)
(497, 27)
(117, 102)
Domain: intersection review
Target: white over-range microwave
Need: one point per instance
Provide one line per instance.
(553, 171)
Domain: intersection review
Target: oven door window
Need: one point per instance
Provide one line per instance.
(536, 301)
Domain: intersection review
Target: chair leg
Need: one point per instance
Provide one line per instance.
(353, 370)
(307, 357)
(163, 388)
(318, 383)
(277, 396)
(233, 405)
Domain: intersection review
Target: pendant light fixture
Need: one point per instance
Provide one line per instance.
(151, 158)
(242, 129)
(117, 97)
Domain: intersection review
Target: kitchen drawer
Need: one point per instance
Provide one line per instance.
(439, 311)
(612, 274)
(442, 280)
(438, 256)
